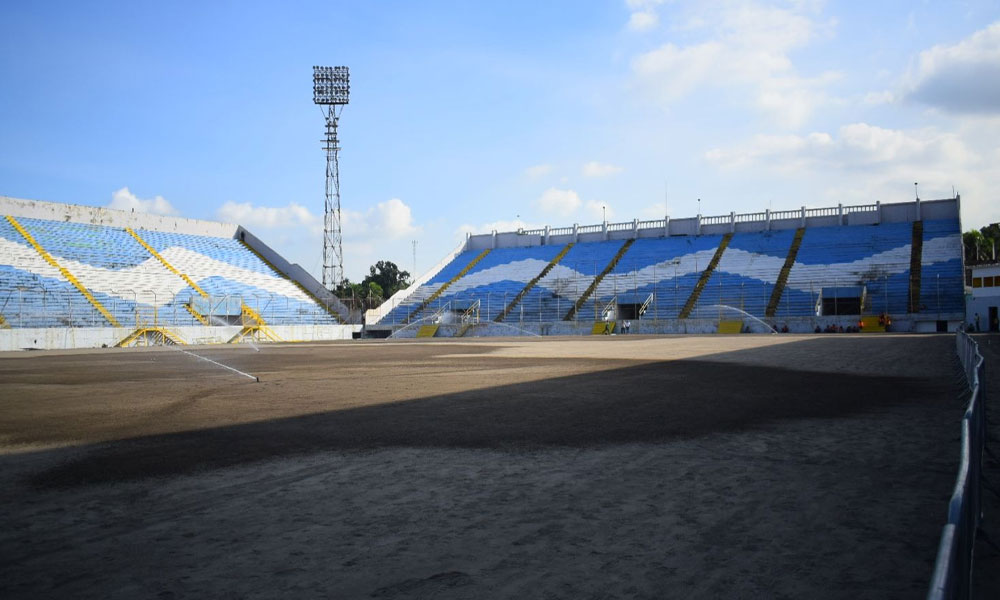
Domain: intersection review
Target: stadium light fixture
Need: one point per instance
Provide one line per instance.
(332, 91)
(331, 85)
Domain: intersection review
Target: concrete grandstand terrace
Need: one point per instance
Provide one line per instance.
(715, 466)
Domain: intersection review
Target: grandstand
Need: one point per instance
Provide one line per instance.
(803, 268)
(117, 278)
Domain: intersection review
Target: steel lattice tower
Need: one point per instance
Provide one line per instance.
(331, 91)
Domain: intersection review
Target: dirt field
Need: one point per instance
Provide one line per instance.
(714, 466)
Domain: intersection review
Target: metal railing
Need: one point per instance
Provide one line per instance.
(39, 307)
(952, 576)
(669, 286)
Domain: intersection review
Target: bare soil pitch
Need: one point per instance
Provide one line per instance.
(707, 466)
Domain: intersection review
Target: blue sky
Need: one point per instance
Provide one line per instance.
(471, 116)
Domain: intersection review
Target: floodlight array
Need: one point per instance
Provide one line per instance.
(331, 85)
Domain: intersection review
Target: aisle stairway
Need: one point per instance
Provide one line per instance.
(447, 284)
(689, 305)
(527, 288)
(779, 285)
(597, 280)
(916, 250)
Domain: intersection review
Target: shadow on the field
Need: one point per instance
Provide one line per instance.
(643, 403)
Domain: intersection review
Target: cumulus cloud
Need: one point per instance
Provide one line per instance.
(499, 226)
(860, 163)
(596, 169)
(960, 78)
(858, 146)
(744, 44)
(537, 171)
(245, 213)
(559, 202)
(595, 211)
(643, 20)
(123, 199)
(392, 217)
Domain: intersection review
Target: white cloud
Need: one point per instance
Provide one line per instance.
(537, 171)
(495, 226)
(559, 202)
(596, 169)
(392, 218)
(248, 215)
(745, 45)
(876, 98)
(858, 146)
(595, 211)
(862, 163)
(960, 78)
(643, 20)
(123, 199)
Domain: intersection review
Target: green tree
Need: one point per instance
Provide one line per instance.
(385, 277)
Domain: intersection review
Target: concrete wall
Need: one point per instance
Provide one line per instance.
(870, 214)
(97, 337)
(907, 324)
(295, 272)
(72, 213)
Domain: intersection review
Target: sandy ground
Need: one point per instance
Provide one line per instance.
(714, 466)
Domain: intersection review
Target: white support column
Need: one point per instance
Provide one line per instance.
(767, 219)
(840, 214)
(732, 222)
(697, 225)
(878, 212)
(635, 228)
(918, 209)
(802, 219)
(576, 232)
(604, 230)
(494, 239)
(666, 226)
(546, 238)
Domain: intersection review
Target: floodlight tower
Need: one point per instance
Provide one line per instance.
(331, 90)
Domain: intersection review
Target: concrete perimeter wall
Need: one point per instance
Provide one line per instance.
(109, 217)
(671, 326)
(98, 337)
(840, 215)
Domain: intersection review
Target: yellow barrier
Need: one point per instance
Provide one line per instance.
(730, 327)
(427, 331)
(603, 328)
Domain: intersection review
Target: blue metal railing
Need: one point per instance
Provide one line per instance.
(952, 576)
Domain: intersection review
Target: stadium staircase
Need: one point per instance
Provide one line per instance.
(693, 299)
(531, 284)
(445, 286)
(151, 336)
(779, 285)
(597, 280)
(65, 272)
(333, 313)
(916, 250)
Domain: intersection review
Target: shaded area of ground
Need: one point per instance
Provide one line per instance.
(481, 470)
(986, 581)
